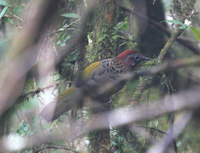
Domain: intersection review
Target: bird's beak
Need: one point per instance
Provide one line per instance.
(146, 58)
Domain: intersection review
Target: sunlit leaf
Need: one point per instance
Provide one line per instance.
(25, 128)
(175, 22)
(120, 140)
(70, 15)
(119, 25)
(196, 32)
(3, 3)
(114, 143)
(183, 27)
(3, 12)
(125, 26)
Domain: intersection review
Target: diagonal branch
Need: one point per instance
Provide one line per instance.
(182, 41)
(144, 82)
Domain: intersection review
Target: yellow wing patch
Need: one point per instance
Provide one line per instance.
(65, 97)
(67, 92)
(87, 72)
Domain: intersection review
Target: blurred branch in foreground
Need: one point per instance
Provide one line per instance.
(35, 48)
(179, 125)
(186, 100)
(143, 84)
(25, 55)
(24, 44)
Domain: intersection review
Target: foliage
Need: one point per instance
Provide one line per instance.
(3, 3)
(196, 32)
(70, 15)
(23, 128)
(103, 40)
(182, 26)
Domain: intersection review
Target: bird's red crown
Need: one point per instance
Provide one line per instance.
(125, 53)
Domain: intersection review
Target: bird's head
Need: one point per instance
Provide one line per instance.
(131, 58)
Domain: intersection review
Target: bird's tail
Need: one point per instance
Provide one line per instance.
(65, 102)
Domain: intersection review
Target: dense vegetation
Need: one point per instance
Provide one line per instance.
(45, 45)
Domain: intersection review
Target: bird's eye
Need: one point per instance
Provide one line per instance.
(137, 57)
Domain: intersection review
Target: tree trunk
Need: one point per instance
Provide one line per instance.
(101, 47)
(150, 39)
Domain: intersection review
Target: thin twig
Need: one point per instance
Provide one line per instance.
(64, 28)
(163, 144)
(37, 91)
(13, 16)
(143, 84)
(62, 135)
(162, 132)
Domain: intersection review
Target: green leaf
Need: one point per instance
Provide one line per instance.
(18, 131)
(25, 128)
(156, 123)
(176, 22)
(183, 27)
(196, 32)
(119, 25)
(70, 15)
(3, 3)
(3, 12)
(74, 58)
(10, 20)
(21, 123)
(125, 26)
(67, 38)
(179, 143)
(118, 151)
(120, 140)
(62, 36)
(114, 143)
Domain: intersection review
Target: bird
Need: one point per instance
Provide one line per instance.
(96, 75)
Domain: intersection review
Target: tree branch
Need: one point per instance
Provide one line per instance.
(183, 41)
(144, 82)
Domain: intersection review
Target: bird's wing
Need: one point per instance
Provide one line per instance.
(104, 76)
(96, 74)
